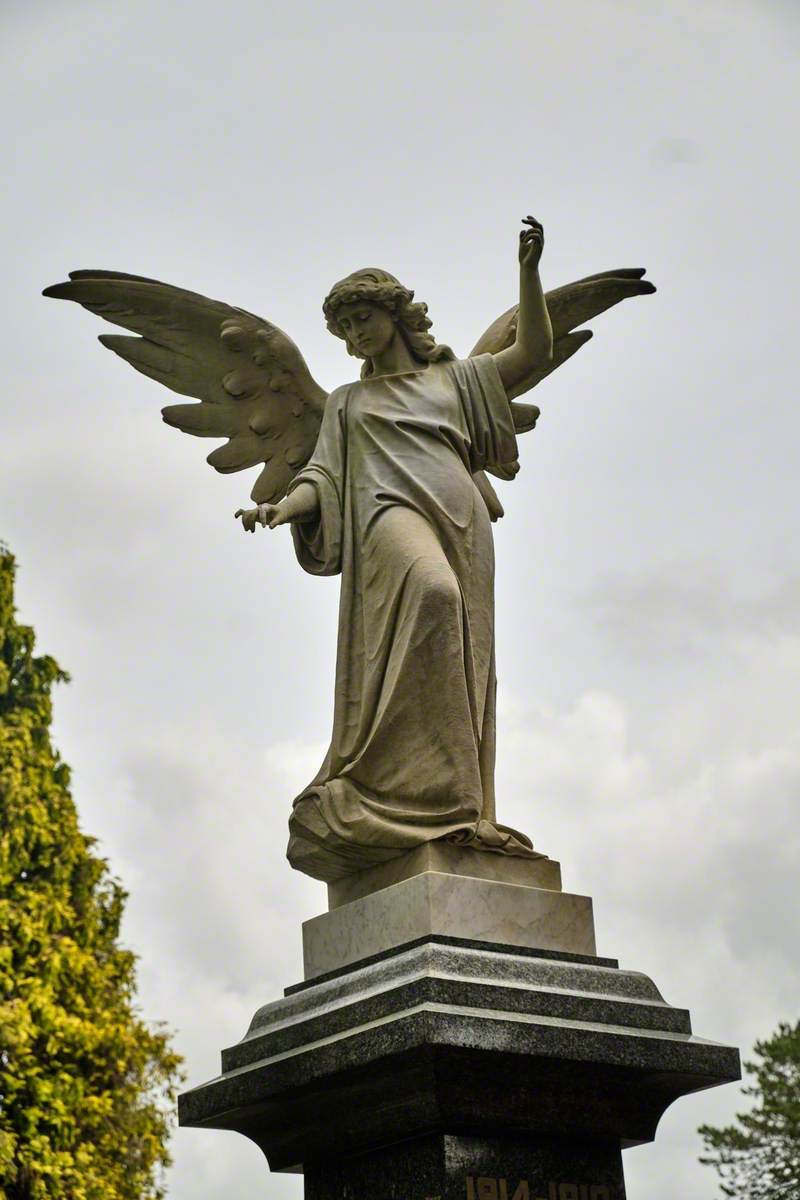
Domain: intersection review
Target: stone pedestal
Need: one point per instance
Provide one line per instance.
(447, 1167)
(444, 1066)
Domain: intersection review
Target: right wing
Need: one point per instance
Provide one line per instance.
(252, 382)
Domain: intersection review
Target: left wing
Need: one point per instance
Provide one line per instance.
(569, 307)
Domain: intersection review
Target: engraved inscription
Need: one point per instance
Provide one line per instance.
(487, 1187)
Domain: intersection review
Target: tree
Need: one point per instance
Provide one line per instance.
(85, 1084)
(758, 1158)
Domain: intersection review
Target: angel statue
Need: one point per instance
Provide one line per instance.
(382, 482)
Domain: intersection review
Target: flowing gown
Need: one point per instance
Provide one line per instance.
(412, 752)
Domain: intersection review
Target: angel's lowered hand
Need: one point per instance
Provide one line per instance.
(265, 514)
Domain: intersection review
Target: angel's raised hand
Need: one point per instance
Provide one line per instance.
(531, 243)
(264, 514)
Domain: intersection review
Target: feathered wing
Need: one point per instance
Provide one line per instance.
(569, 307)
(252, 382)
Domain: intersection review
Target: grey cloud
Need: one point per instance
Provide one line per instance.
(676, 150)
(691, 607)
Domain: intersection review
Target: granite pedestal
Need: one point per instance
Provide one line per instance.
(447, 1066)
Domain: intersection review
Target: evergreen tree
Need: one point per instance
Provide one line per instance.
(758, 1158)
(85, 1084)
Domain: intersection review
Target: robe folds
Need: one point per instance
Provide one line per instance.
(411, 757)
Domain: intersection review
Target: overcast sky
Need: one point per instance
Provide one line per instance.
(648, 590)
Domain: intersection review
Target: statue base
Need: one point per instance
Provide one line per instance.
(443, 1066)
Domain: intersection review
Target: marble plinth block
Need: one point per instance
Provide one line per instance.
(448, 859)
(459, 1070)
(448, 905)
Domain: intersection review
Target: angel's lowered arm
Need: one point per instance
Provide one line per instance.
(533, 345)
(300, 505)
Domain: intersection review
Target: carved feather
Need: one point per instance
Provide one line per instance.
(252, 383)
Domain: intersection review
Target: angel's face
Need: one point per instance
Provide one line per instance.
(369, 328)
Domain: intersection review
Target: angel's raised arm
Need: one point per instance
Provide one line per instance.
(545, 339)
(567, 308)
(532, 347)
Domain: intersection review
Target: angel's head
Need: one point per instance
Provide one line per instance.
(369, 308)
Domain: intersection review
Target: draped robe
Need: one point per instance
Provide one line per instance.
(411, 757)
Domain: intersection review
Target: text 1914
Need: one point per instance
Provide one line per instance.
(485, 1187)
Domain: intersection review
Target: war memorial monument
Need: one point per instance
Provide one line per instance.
(456, 1036)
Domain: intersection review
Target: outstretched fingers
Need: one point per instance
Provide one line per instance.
(248, 516)
(265, 515)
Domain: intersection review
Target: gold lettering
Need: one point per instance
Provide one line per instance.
(485, 1187)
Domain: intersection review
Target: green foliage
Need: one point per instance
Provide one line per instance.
(758, 1158)
(85, 1085)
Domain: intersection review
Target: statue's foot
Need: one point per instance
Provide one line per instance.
(499, 839)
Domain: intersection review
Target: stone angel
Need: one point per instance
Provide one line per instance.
(382, 481)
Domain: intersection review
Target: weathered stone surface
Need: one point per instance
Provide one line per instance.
(453, 905)
(453, 1040)
(448, 859)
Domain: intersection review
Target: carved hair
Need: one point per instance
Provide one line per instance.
(374, 286)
